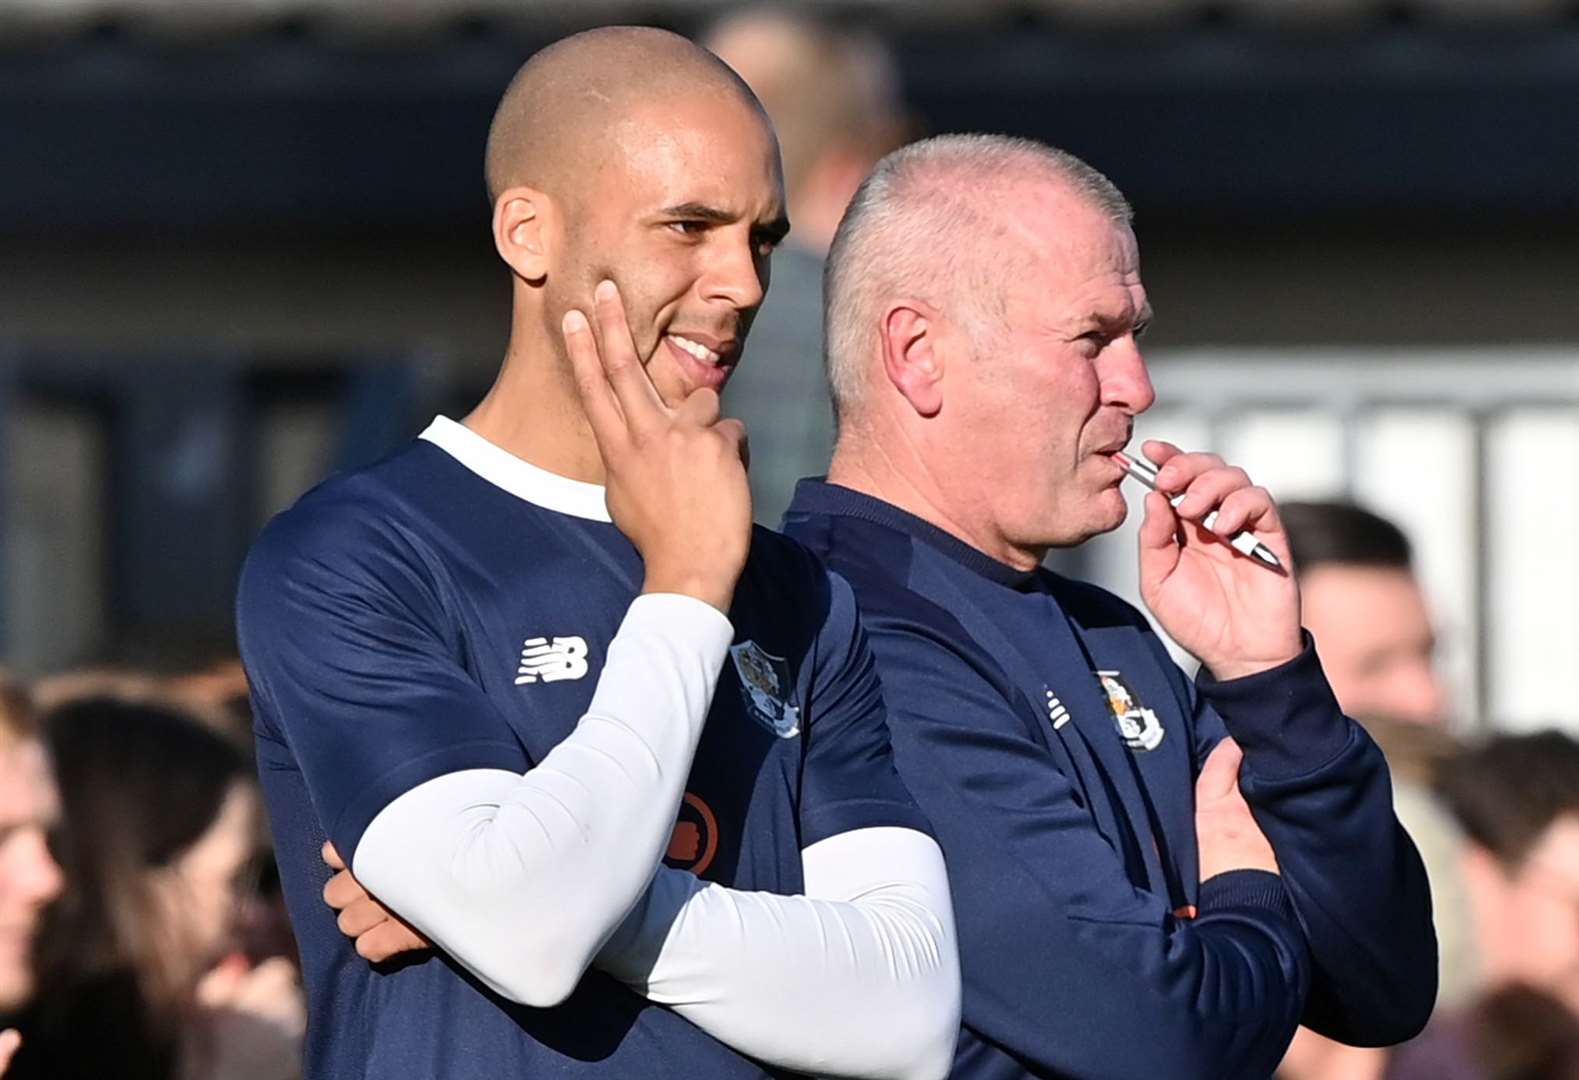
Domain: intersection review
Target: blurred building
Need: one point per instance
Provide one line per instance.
(245, 241)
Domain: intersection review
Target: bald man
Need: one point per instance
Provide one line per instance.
(621, 758)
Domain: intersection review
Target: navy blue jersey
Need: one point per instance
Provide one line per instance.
(425, 616)
(1044, 730)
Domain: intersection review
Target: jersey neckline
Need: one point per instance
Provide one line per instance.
(520, 478)
(818, 495)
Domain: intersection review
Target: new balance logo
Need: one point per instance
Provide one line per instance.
(550, 661)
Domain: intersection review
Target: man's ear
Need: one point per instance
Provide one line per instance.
(521, 231)
(911, 336)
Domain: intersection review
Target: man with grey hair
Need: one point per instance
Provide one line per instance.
(1152, 877)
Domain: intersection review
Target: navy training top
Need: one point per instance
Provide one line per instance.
(1054, 744)
(417, 618)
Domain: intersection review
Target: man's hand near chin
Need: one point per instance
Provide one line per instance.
(1231, 612)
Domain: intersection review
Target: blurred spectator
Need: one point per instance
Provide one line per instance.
(208, 684)
(1514, 1033)
(198, 671)
(29, 878)
(1360, 600)
(834, 99)
(140, 977)
(123, 684)
(1517, 798)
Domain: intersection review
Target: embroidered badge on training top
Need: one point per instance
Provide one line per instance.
(1137, 725)
(764, 683)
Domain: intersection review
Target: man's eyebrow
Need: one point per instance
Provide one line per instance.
(778, 228)
(1107, 319)
(699, 212)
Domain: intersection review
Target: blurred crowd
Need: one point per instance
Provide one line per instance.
(142, 932)
(145, 934)
(1493, 817)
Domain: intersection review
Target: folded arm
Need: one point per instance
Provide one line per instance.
(1320, 790)
(560, 853)
(797, 980)
(1067, 965)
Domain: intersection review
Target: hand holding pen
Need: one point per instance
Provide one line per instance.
(1233, 608)
(1242, 541)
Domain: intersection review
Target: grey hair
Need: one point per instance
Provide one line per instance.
(921, 225)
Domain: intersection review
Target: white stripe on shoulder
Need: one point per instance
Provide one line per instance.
(520, 478)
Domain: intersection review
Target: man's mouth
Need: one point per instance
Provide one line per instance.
(1114, 447)
(700, 350)
(704, 360)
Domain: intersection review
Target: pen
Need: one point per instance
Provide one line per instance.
(1243, 542)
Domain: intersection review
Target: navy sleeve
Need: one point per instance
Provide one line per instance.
(849, 780)
(1067, 965)
(1320, 790)
(340, 633)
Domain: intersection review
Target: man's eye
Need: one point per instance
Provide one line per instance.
(688, 228)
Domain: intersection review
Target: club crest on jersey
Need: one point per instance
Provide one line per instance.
(764, 683)
(1137, 725)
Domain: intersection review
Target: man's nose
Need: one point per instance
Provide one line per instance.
(1126, 384)
(735, 276)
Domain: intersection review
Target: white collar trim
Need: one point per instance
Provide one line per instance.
(520, 478)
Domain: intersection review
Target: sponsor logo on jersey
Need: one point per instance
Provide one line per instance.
(1137, 725)
(552, 659)
(694, 841)
(764, 683)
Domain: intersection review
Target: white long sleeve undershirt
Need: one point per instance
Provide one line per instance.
(859, 977)
(560, 854)
(523, 879)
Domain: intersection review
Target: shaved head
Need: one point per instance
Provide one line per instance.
(551, 126)
(631, 155)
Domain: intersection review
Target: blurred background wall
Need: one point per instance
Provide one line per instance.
(244, 242)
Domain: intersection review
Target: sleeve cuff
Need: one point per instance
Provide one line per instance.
(664, 660)
(1285, 719)
(678, 615)
(1246, 888)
